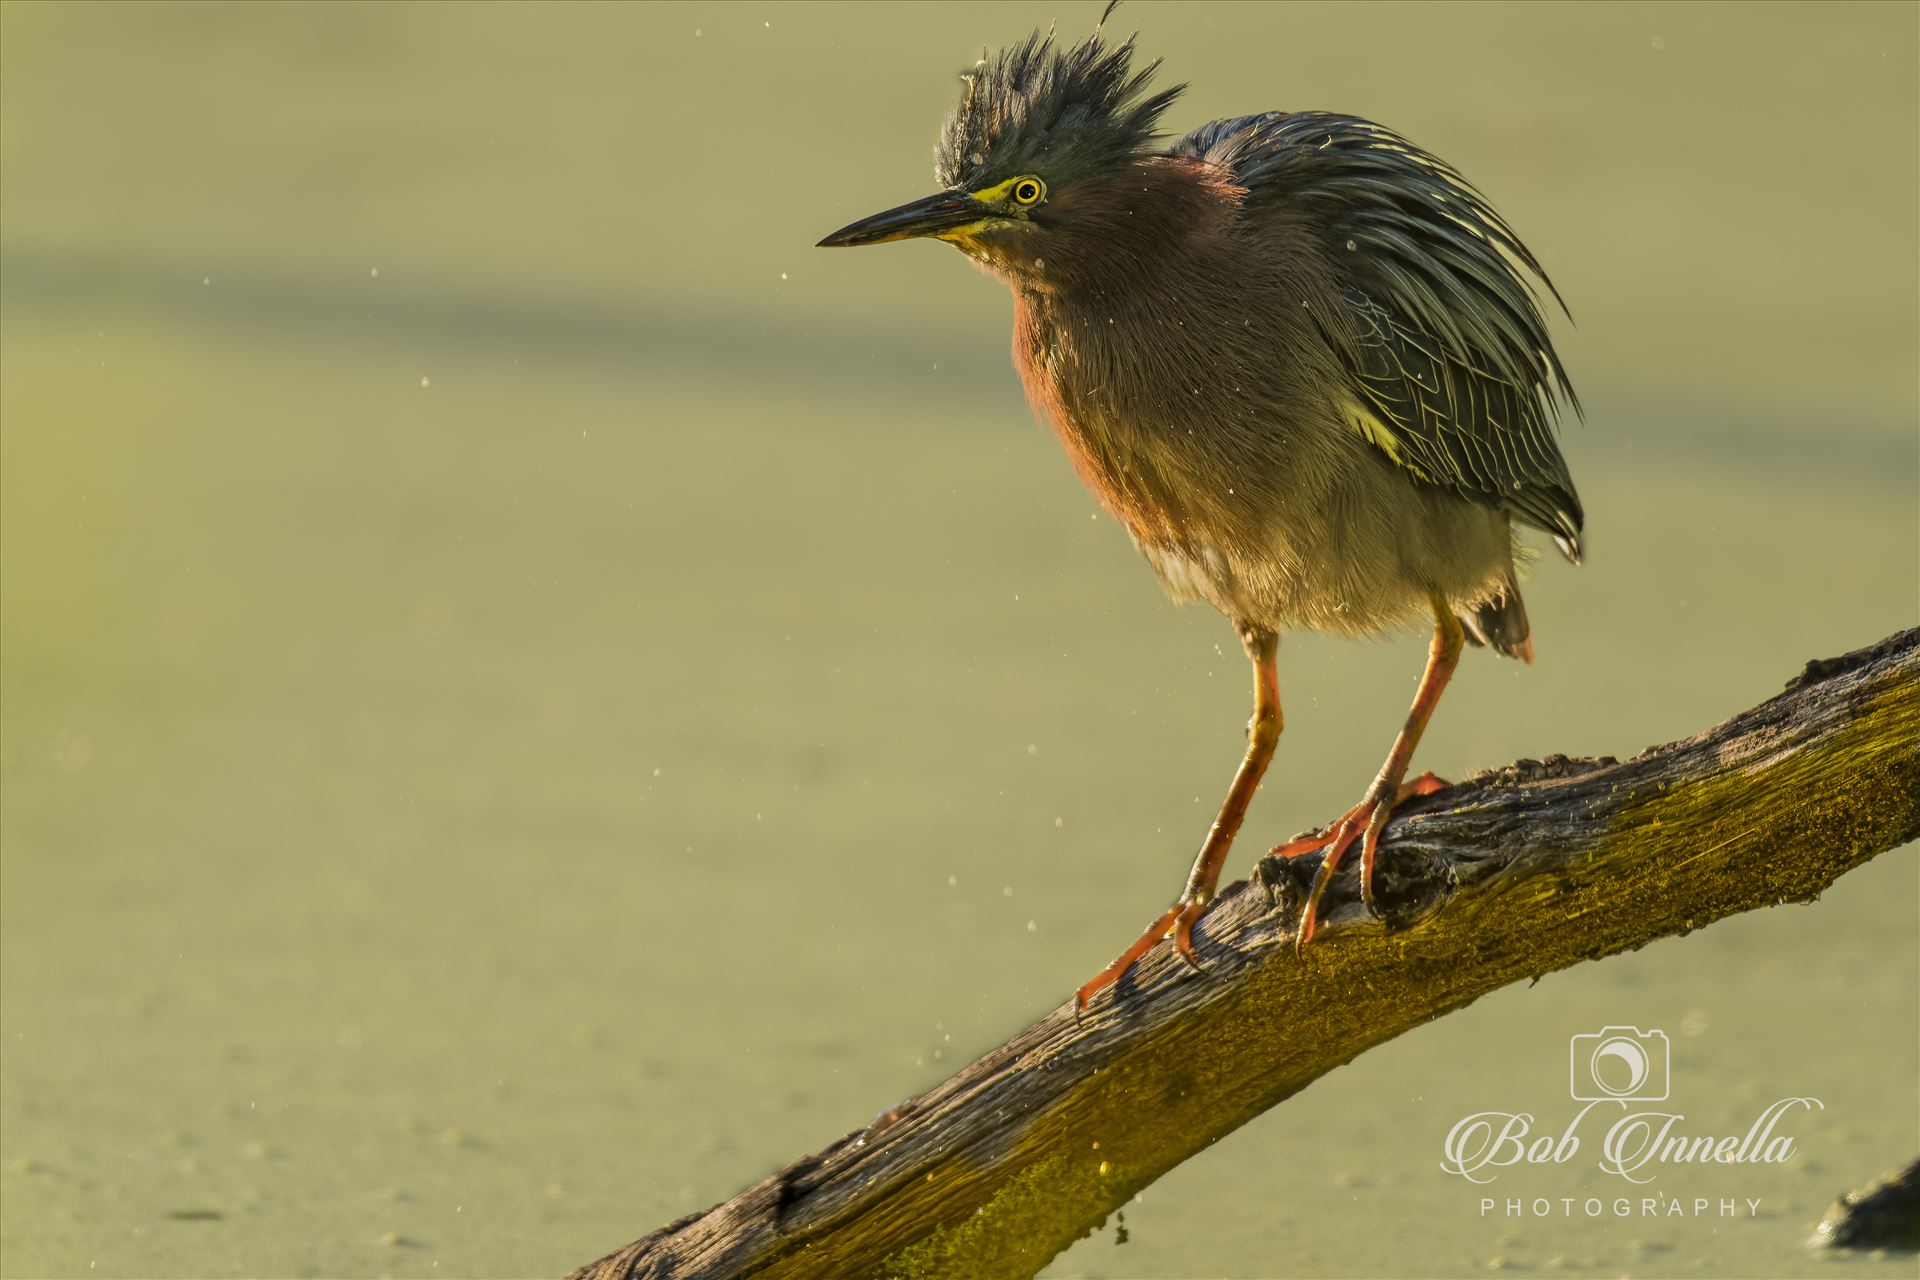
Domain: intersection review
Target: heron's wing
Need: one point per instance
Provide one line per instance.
(1448, 356)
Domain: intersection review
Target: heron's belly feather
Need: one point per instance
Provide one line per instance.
(1273, 508)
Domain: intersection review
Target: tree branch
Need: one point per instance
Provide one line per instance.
(1509, 875)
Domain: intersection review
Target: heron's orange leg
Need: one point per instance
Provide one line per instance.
(1263, 734)
(1366, 820)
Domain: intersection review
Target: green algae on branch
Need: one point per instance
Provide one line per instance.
(1506, 876)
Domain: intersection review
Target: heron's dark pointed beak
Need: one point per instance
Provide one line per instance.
(939, 214)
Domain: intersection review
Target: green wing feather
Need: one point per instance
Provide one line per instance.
(1438, 326)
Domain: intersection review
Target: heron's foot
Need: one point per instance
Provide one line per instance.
(1176, 921)
(1363, 822)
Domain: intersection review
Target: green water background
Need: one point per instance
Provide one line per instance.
(533, 697)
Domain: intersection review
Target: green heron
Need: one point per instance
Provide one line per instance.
(1299, 358)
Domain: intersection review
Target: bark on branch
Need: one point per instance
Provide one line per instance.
(1508, 875)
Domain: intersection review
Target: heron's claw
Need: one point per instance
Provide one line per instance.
(1185, 917)
(1176, 922)
(1363, 822)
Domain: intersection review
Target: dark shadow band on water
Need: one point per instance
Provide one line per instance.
(525, 324)
(903, 361)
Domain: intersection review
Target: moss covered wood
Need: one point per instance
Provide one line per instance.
(1506, 876)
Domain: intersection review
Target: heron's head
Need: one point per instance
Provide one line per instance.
(1036, 126)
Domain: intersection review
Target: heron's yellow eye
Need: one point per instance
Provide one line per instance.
(1028, 191)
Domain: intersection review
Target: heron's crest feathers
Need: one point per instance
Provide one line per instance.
(1064, 112)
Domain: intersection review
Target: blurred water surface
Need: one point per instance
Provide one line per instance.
(533, 697)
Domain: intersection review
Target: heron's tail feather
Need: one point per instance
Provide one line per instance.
(1502, 623)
